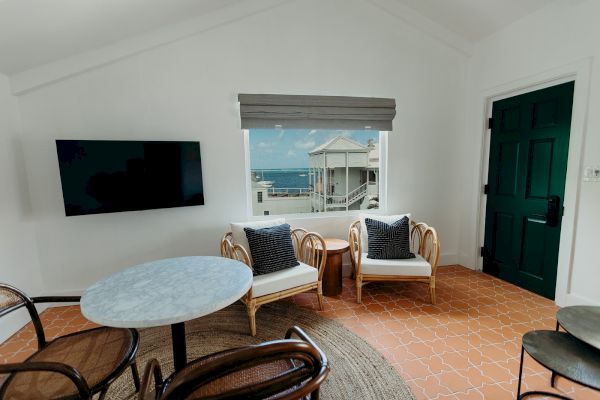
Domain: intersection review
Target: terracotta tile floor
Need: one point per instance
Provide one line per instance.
(465, 347)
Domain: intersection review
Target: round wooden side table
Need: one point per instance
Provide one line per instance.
(332, 277)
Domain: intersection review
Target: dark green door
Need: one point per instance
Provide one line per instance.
(526, 184)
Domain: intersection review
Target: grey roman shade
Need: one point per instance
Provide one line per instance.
(316, 112)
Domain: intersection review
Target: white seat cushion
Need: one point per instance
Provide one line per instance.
(388, 219)
(285, 279)
(239, 235)
(417, 266)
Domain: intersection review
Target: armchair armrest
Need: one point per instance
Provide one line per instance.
(152, 371)
(56, 299)
(355, 243)
(311, 252)
(59, 368)
(234, 251)
(424, 241)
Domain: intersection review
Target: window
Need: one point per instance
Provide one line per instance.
(294, 171)
(314, 154)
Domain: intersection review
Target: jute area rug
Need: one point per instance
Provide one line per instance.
(358, 371)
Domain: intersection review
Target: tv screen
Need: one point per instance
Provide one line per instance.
(104, 176)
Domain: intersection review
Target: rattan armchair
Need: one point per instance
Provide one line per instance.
(278, 370)
(74, 366)
(424, 244)
(308, 276)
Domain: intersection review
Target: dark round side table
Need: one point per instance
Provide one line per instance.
(332, 278)
(583, 322)
(574, 354)
(565, 356)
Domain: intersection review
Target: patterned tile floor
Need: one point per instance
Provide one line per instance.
(465, 347)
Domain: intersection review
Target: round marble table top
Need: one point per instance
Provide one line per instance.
(583, 322)
(166, 292)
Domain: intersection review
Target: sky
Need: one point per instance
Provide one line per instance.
(288, 148)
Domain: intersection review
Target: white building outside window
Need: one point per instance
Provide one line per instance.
(297, 171)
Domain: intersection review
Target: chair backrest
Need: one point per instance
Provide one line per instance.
(12, 299)
(281, 369)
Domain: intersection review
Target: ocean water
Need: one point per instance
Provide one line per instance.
(284, 178)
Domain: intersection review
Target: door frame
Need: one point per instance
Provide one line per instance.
(580, 72)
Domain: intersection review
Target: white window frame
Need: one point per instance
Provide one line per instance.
(383, 180)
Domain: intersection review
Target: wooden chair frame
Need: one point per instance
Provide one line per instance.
(297, 382)
(19, 300)
(307, 247)
(423, 241)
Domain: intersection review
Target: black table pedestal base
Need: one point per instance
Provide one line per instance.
(542, 393)
(179, 348)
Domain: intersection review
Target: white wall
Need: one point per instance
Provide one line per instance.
(560, 34)
(187, 90)
(18, 253)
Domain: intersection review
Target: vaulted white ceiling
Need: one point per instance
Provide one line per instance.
(37, 32)
(475, 19)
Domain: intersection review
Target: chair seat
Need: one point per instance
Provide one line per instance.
(96, 354)
(285, 279)
(417, 266)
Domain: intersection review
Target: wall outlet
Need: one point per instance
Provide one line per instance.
(591, 173)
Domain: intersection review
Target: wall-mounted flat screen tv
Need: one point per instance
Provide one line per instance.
(105, 176)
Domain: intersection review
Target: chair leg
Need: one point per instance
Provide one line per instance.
(315, 395)
(432, 289)
(251, 308)
(359, 289)
(136, 376)
(320, 295)
(103, 393)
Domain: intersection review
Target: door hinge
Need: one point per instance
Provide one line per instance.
(486, 189)
(482, 251)
(490, 123)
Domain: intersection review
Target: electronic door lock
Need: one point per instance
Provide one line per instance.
(553, 211)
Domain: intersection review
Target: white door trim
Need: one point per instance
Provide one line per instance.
(580, 72)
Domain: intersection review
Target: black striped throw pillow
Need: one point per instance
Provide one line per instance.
(271, 249)
(388, 241)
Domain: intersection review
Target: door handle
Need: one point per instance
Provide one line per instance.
(553, 211)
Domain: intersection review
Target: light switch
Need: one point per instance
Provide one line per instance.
(591, 173)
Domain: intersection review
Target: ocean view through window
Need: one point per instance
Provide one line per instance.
(295, 171)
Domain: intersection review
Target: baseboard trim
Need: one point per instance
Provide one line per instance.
(577, 300)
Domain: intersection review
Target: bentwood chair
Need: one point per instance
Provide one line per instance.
(424, 244)
(278, 370)
(307, 276)
(74, 366)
